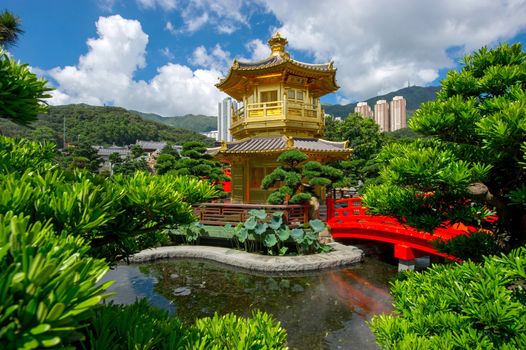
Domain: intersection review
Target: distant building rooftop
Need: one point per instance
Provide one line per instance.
(150, 145)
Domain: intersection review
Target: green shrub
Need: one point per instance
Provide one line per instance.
(118, 216)
(22, 93)
(18, 155)
(461, 306)
(140, 326)
(474, 246)
(233, 332)
(48, 284)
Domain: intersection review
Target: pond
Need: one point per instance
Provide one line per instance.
(319, 310)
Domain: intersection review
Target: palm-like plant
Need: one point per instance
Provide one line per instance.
(10, 28)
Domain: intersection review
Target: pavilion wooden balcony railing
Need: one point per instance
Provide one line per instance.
(277, 110)
(220, 214)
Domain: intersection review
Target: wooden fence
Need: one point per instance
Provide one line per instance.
(220, 214)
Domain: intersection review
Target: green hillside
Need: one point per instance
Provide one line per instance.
(415, 96)
(199, 123)
(99, 126)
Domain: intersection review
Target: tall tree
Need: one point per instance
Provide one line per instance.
(365, 139)
(473, 160)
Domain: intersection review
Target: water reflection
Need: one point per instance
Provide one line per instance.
(324, 310)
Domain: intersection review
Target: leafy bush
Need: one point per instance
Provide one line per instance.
(232, 332)
(22, 94)
(18, 155)
(461, 306)
(269, 234)
(48, 284)
(140, 326)
(474, 246)
(117, 216)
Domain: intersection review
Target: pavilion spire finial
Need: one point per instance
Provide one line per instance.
(277, 44)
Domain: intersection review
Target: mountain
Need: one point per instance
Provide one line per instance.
(198, 123)
(415, 96)
(99, 126)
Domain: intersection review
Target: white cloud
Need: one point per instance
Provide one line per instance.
(194, 23)
(106, 5)
(217, 59)
(166, 5)
(380, 45)
(104, 75)
(166, 52)
(258, 49)
(226, 16)
(170, 27)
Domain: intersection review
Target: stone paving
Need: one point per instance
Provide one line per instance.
(342, 255)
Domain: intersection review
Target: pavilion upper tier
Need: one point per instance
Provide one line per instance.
(279, 95)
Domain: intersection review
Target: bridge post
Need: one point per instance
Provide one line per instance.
(404, 265)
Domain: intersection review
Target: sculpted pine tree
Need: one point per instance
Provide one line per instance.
(474, 160)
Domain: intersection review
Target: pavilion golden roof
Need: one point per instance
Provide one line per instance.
(321, 78)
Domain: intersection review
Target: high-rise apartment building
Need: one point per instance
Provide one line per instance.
(381, 114)
(364, 109)
(398, 113)
(224, 119)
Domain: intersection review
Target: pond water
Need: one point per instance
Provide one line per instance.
(321, 310)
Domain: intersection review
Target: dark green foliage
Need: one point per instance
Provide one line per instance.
(164, 163)
(425, 186)
(82, 156)
(366, 140)
(474, 246)
(140, 326)
(404, 133)
(43, 134)
(292, 158)
(268, 234)
(22, 94)
(294, 170)
(103, 126)
(198, 123)
(477, 127)
(197, 163)
(130, 166)
(136, 151)
(414, 95)
(460, 306)
(48, 284)
(137, 326)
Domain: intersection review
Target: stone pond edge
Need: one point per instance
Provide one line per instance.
(342, 255)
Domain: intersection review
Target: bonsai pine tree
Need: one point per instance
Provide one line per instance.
(473, 162)
(196, 162)
(298, 177)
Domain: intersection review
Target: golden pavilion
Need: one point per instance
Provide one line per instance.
(280, 109)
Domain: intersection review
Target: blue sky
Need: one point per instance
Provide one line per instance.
(163, 56)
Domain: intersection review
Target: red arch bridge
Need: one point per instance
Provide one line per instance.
(347, 219)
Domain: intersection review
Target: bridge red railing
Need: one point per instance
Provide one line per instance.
(347, 218)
